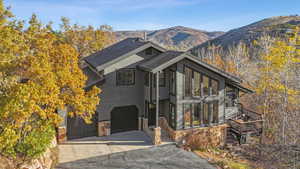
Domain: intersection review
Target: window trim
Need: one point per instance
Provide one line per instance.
(184, 81)
(120, 70)
(164, 79)
(171, 84)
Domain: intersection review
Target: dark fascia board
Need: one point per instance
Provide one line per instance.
(214, 69)
(240, 87)
(194, 59)
(147, 45)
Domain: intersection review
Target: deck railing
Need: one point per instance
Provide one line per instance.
(246, 121)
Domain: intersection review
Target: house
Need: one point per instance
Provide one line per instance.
(145, 87)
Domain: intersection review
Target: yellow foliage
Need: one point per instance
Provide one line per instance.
(40, 74)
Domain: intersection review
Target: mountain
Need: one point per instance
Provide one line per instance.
(249, 33)
(178, 37)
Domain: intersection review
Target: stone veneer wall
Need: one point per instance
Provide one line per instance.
(104, 128)
(61, 134)
(154, 133)
(214, 135)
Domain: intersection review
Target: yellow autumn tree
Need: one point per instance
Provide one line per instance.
(41, 76)
(86, 40)
(278, 86)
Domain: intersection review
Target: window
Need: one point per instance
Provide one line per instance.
(206, 113)
(231, 96)
(149, 51)
(197, 115)
(125, 77)
(187, 114)
(172, 116)
(188, 82)
(146, 78)
(172, 82)
(214, 87)
(215, 111)
(162, 79)
(197, 84)
(205, 81)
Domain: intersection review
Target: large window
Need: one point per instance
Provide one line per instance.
(215, 111)
(125, 77)
(197, 84)
(188, 81)
(172, 116)
(187, 115)
(214, 87)
(197, 115)
(231, 96)
(206, 113)
(162, 79)
(193, 81)
(172, 82)
(205, 85)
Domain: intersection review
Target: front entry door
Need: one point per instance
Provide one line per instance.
(152, 115)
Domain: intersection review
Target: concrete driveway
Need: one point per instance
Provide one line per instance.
(126, 150)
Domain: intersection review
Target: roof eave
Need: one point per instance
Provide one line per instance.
(139, 49)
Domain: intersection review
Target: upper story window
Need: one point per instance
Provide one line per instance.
(172, 82)
(162, 79)
(125, 77)
(149, 51)
(231, 96)
(205, 85)
(197, 84)
(188, 81)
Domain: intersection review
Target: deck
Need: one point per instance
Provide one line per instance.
(246, 123)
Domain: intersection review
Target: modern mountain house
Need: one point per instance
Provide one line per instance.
(146, 87)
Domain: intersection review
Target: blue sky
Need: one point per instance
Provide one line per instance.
(221, 15)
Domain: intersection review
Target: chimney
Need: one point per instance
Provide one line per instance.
(145, 36)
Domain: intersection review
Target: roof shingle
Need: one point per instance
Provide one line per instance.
(114, 51)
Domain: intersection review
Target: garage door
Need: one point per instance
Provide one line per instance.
(77, 128)
(124, 119)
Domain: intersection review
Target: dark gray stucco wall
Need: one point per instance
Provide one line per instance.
(116, 96)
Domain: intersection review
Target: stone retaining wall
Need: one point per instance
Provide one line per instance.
(211, 136)
(104, 128)
(47, 160)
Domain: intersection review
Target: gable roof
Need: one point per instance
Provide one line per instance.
(169, 58)
(119, 50)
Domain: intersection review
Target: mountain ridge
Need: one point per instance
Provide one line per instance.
(177, 37)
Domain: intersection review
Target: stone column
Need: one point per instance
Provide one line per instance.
(145, 123)
(157, 136)
(103, 128)
(61, 134)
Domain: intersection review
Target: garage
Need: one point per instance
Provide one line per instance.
(124, 119)
(77, 128)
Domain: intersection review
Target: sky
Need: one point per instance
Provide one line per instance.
(209, 15)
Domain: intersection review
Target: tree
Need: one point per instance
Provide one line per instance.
(86, 40)
(278, 86)
(41, 76)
